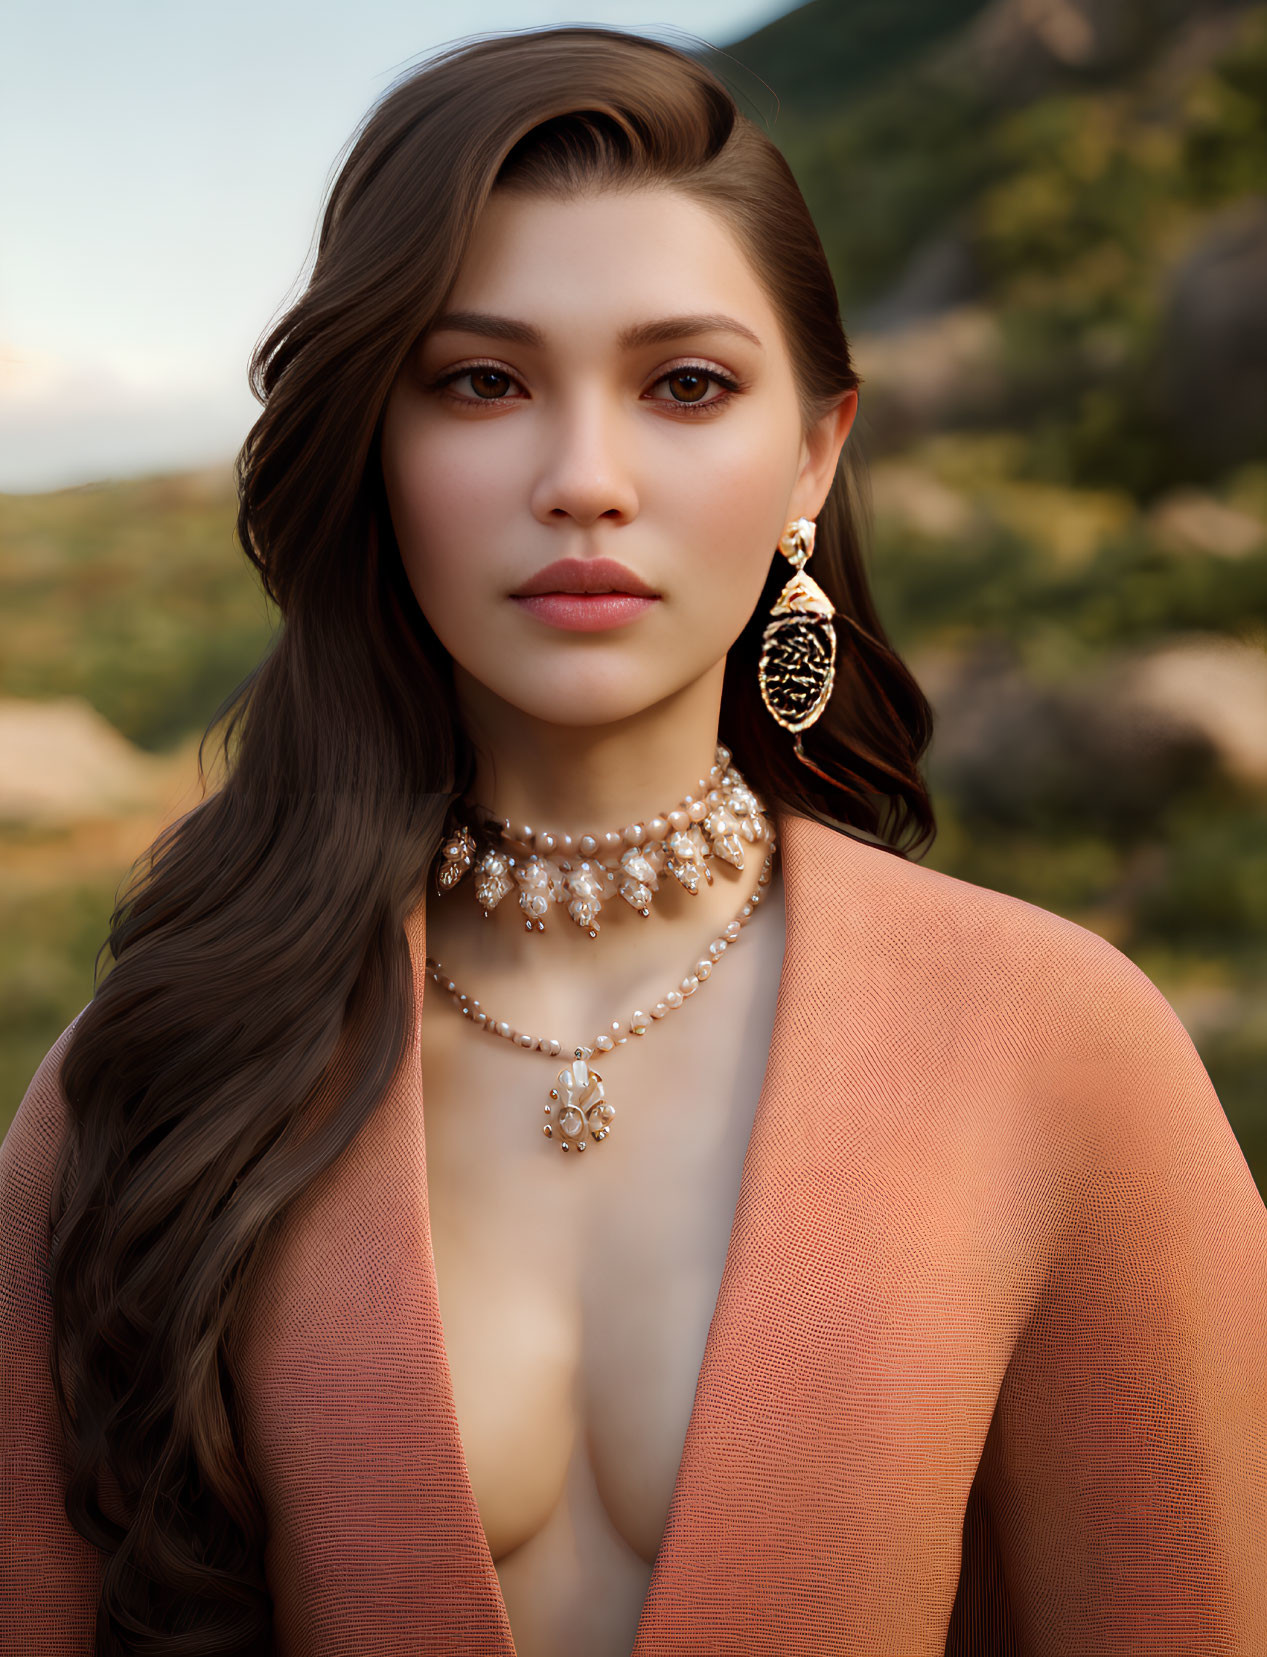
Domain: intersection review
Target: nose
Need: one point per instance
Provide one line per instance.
(586, 470)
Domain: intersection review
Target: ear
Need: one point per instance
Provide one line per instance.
(820, 452)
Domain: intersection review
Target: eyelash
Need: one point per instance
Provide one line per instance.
(732, 386)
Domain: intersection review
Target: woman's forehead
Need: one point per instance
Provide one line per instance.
(633, 264)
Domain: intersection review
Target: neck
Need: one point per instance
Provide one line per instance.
(587, 778)
(591, 779)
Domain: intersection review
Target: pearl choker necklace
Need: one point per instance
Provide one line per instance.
(585, 871)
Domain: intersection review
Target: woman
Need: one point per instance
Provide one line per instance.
(890, 1283)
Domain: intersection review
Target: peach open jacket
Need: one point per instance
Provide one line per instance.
(987, 1371)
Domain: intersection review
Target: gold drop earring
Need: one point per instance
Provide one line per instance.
(798, 648)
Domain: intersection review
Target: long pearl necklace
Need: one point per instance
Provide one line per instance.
(578, 1103)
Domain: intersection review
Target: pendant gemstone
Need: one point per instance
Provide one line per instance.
(582, 1107)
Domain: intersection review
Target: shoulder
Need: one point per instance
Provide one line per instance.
(986, 943)
(29, 1149)
(1066, 1013)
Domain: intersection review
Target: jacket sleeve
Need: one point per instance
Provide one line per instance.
(1126, 1466)
(50, 1576)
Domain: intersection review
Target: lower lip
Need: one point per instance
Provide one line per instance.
(584, 612)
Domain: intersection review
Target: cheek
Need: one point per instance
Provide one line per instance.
(731, 530)
(446, 502)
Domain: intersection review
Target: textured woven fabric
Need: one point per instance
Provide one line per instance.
(987, 1372)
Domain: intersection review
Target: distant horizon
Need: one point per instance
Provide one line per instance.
(167, 216)
(196, 471)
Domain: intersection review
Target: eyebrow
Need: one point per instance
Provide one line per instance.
(657, 331)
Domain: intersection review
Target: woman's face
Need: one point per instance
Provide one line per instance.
(579, 420)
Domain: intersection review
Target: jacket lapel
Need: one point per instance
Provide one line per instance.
(375, 1539)
(737, 1565)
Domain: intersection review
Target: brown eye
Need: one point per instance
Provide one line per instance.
(688, 384)
(695, 383)
(478, 375)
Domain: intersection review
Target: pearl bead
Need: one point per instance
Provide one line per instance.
(657, 828)
(566, 845)
(659, 1010)
(503, 1029)
(523, 833)
(717, 948)
(633, 834)
(674, 998)
(703, 968)
(588, 845)
(544, 843)
(616, 1027)
(613, 840)
(690, 985)
(604, 1043)
(731, 931)
(553, 1047)
(678, 820)
(698, 810)
(746, 910)
(638, 1023)
(527, 1041)
(714, 796)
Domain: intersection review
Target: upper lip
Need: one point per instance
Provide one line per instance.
(585, 575)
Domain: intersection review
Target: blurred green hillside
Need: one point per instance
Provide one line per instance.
(1048, 228)
(1051, 251)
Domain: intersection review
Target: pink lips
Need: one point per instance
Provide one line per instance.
(585, 575)
(585, 594)
(584, 612)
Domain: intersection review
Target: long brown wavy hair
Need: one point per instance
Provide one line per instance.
(260, 990)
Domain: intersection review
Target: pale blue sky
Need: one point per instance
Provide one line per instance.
(164, 168)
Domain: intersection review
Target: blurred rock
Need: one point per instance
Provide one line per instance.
(939, 371)
(941, 273)
(1214, 363)
(1016, 50)
(1207, 1010)
(912, 496)
(1213, 30)
(1212, 686)
(60, 761)
(1189, 521)
(1027, 755)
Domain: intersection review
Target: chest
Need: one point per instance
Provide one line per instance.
(576, 1291)
(864, 1296)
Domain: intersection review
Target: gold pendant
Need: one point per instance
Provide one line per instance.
(582, 1106)
(798, 654)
